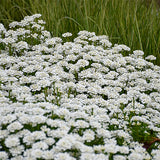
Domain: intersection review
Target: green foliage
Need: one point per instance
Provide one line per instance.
(134, 23)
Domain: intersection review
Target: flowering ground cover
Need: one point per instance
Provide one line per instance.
(64, 98)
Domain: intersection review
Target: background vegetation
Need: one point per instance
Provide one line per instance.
(135, 23)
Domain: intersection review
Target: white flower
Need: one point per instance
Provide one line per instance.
(58, 133)
(111, 75)
(24, 118)
(107, 62)
(94, 123)
(138, 53)
(134, 155)
(64, 144)
(133, 93)
(151, 58)
(18, 157)
(40, 145)
(21, 45)
(102, 37)
(99, 148)
(71, 57)
(25, 97)
(122, 61)
(49, 141)
(63, 156)
(119, 157)
(124, 47)
(44, 83)
(35, 87)
(100, 157)
(37, 153)
(86, 33)
(15, 151)
(86, 149)
(51, 41)
(12, 141)
(104, 133)
(2, 28)
(156, 154)
(48, 154)
(3, 133)
(116, 49)
(111, 148)
(46, 34)
(145, 99)
(113, 94)
(87, 156)
(42, 75)
(105, 43)
(88, 135)
(9, 40)
(9, 118)
(13, 24)
(35, 16)
(79, 41)
(3, 155)
(24, 80)
(41, 22)
(14, 126)
(140, 63)
(123, 149)
(80, 88)
(28, 139)
(67, 34)
(81, 124)
(130, 68)
(29, 69)
(38, 119)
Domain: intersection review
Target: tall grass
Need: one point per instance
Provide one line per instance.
(134, 23)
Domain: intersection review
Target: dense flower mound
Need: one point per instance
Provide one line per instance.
(66, 99)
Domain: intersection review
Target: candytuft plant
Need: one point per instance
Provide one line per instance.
(80, 99)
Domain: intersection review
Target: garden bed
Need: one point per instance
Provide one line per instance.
(75, 99)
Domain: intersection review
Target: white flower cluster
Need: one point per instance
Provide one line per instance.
(74, 100)
(23, 35)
